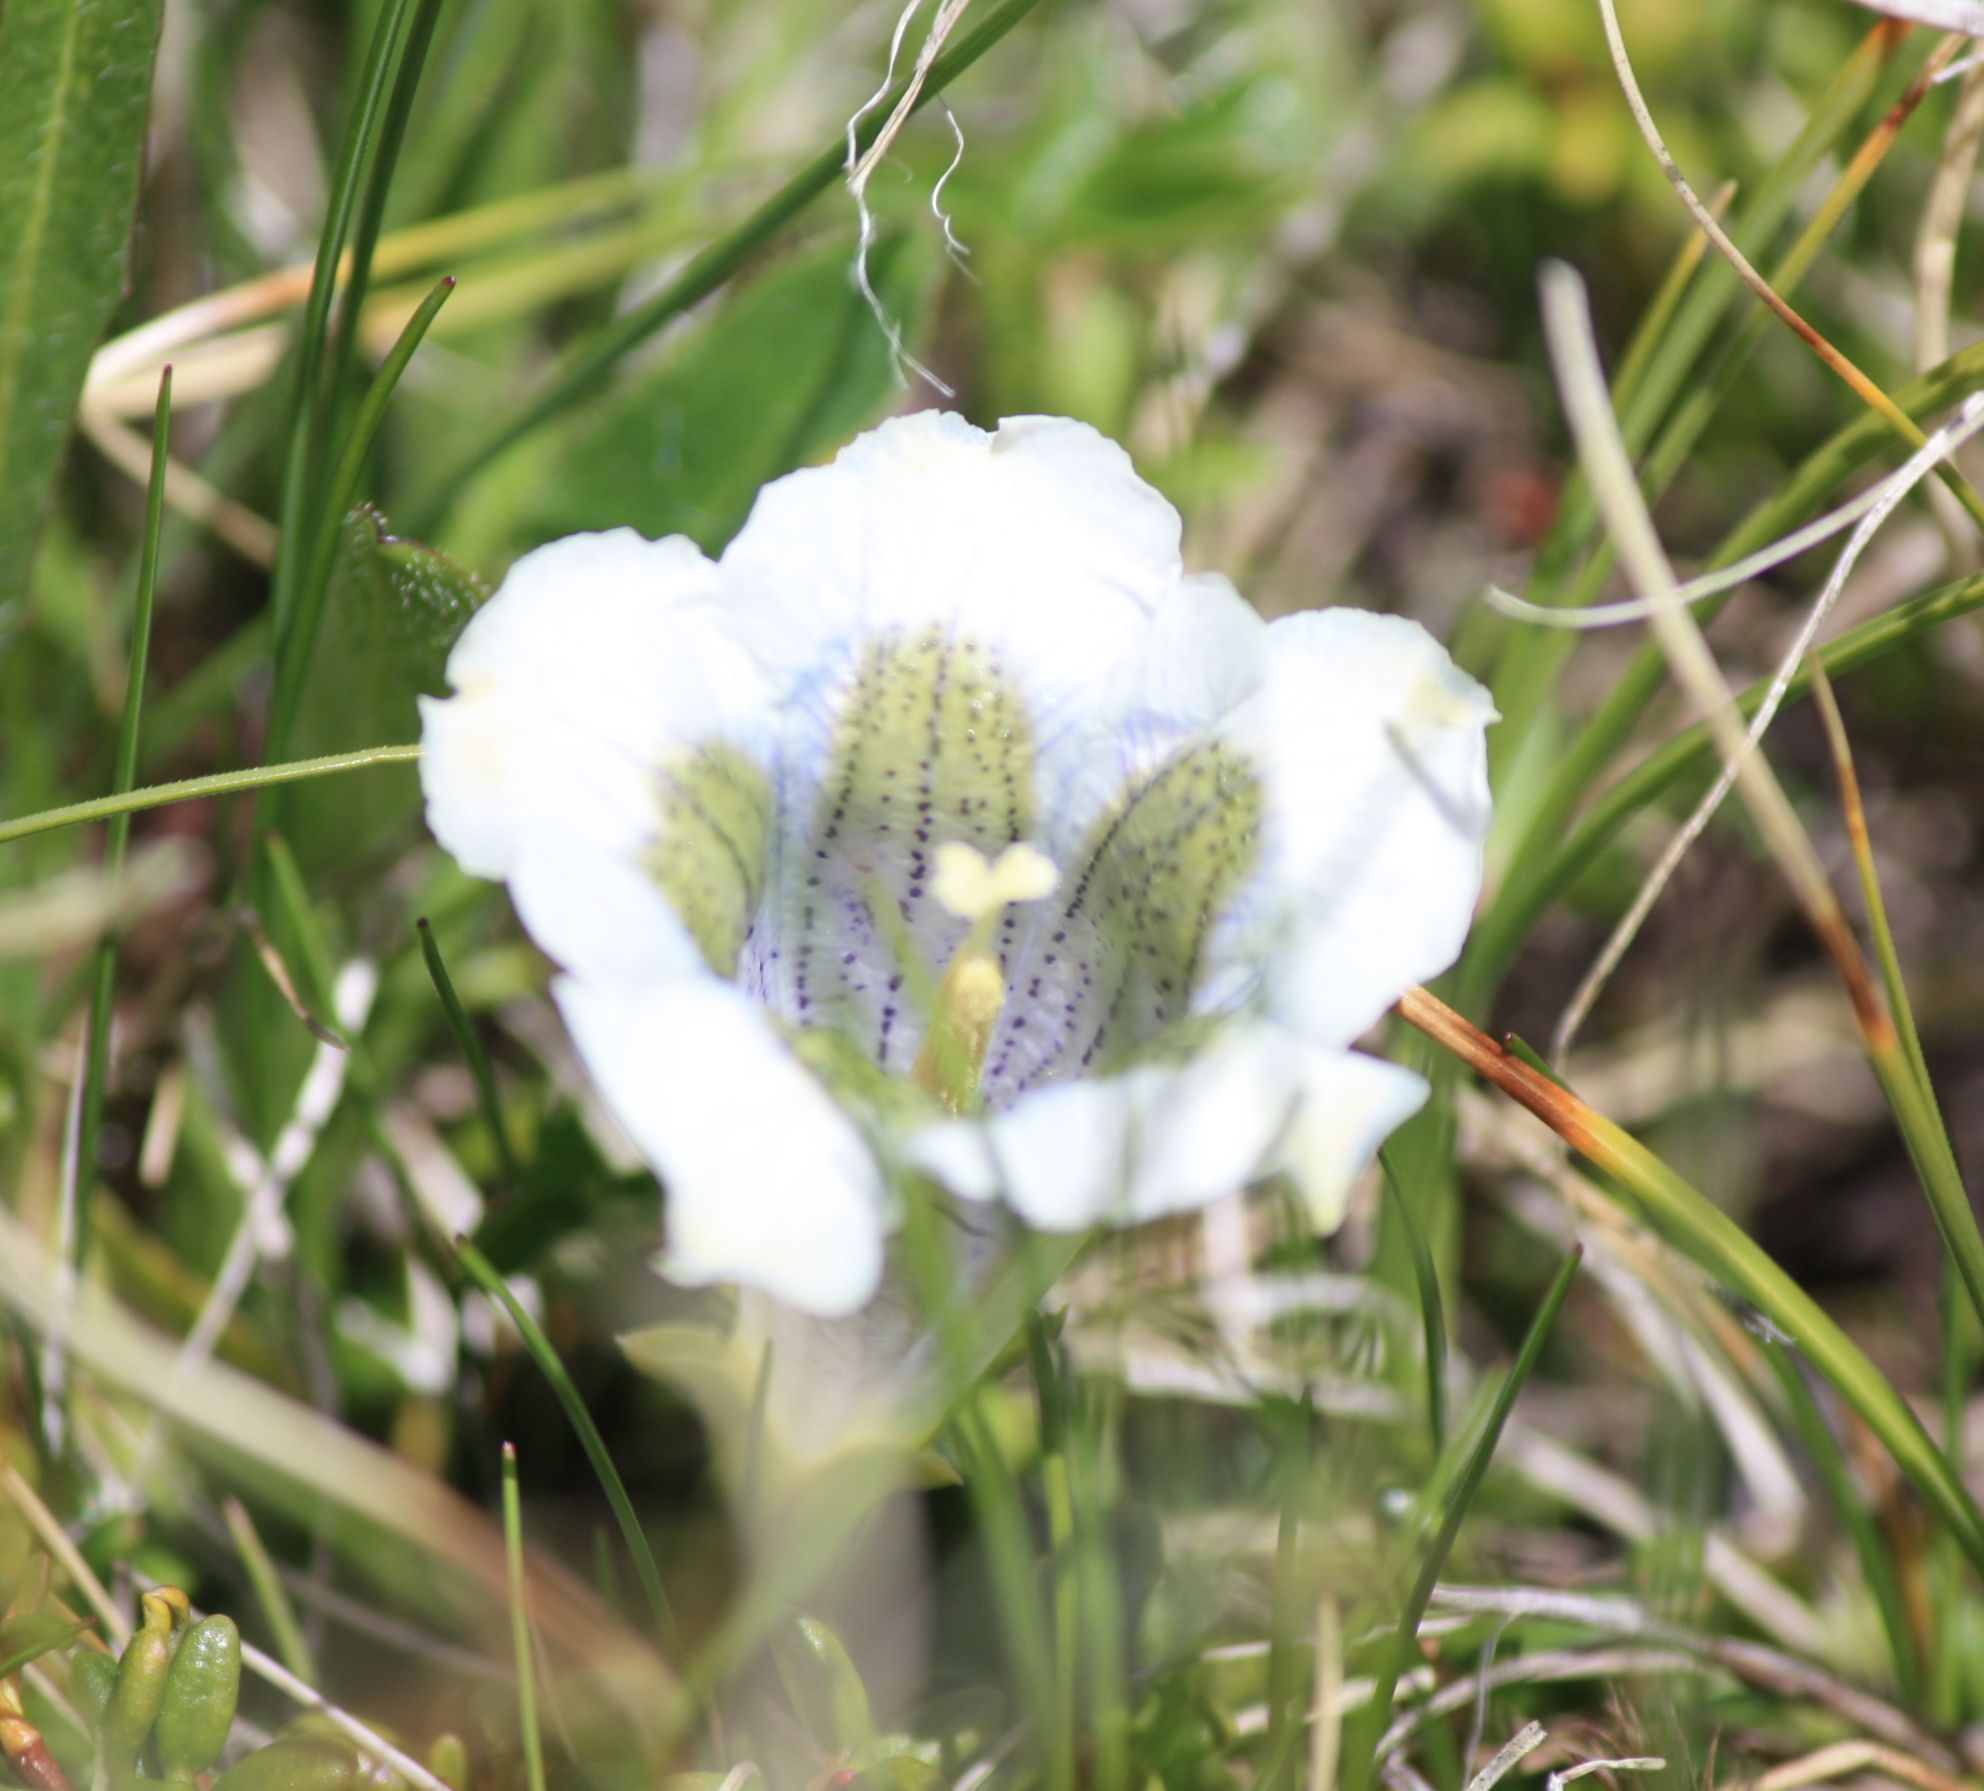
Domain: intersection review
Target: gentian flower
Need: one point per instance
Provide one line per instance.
(945, 826)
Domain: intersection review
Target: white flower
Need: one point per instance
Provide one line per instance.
(944, 824)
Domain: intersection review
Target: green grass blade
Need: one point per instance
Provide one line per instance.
(58, 1636)
(1855, 811)
(1531, 887)
(513, 1553)
(590, 366)
(75, 88)
(192, 789)
(1515, 906)
(1877, 1564)
(1705, 1233)
(300, 925)
(103, 988)
(409, 63)
(297, 635)
(1530, 662)
(297, 532)
(483, 1273)
(471, 1048)
(1287, 1614)
(1896, 1048)
(1432, 1309)
(1360, 1761)
(286, 1632)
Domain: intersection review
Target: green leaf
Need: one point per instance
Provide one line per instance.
(75, 83)
(394, 609)
(790, 368)
(823, 1683)
(28, 1637)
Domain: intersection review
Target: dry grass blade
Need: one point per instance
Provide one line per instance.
(1861, 385)
(372, 1485)
(1574, 354)
(1843, 1757)
(1524, 1742)
(1935, 262)
(1771, 1669)
(861, 165)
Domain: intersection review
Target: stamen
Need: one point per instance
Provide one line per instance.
(973, 989)
(974, 890)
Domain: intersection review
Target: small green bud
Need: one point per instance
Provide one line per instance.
(820, 1679)
(92, 1678)
(17, 1553)
(900, 1772)
(312, 1763)
(448, 1761)
(200, 1693)
(140, 1688)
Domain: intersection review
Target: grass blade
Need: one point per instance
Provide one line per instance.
(192, 789)
(297, 536)
(1877, 1560)
(1361, 1762)
(124, 773)
(296, 634)
(483, 1273)
(1855, 813)
(471, 1048)
(513, 1552)
(262, 1576)
(1432, 1310)
(1523, 898)
(1704, 1232)
(409, 63)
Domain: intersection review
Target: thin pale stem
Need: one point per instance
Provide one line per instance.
(192, 789)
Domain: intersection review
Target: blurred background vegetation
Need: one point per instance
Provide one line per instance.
(1287, 253)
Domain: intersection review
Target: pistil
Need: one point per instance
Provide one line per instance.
(972, 990)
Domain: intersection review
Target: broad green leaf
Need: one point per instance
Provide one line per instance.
(75, 84)
(790, 368)
(393, 610)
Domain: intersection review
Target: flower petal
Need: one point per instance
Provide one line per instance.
(768, 1181)
(1372, 748)
(1202, 655)
(1037, 542)
(1162, 1138)
(1152, 821)
(938, 608)
(604, 734)
(1348, 1105)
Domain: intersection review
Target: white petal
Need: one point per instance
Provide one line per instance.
(768, 1181)
(1372, 745)
(596, 910)
(1166, 1138)
(602, 660)
(1037, 542)
(939, 607)
(1153, 822)
(1348, 1104)
(1203, 654)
